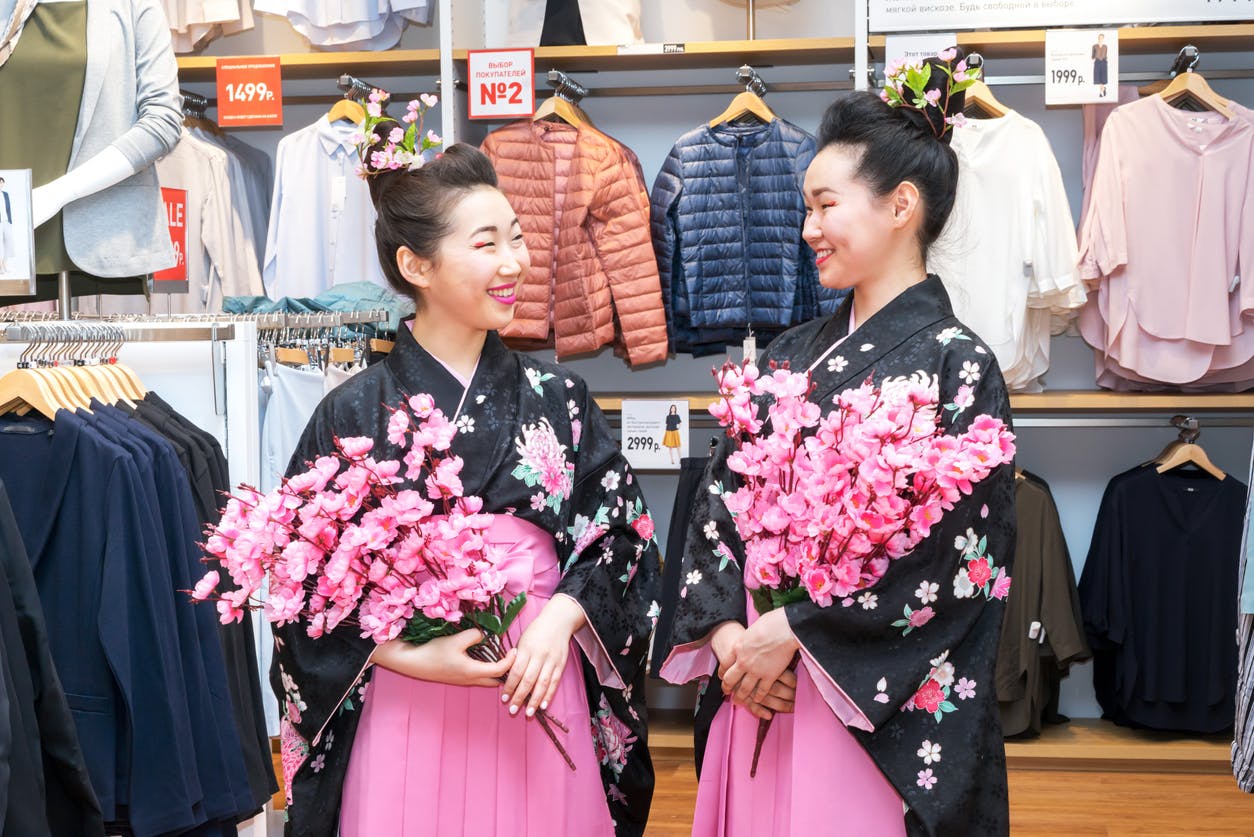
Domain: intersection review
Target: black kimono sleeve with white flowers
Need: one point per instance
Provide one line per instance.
(534, 446)
(914, 653)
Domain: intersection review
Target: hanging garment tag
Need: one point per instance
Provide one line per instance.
(1034, 630)
(749, 351)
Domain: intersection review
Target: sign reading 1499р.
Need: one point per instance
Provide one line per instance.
(502, 83)
(250, 92)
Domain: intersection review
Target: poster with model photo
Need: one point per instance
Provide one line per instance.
(17, 234)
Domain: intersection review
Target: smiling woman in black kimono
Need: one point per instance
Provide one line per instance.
(398, 739)
(891, 708)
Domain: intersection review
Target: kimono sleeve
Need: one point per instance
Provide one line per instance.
(610, 559)
(712, 590)
(1104, 235)
(313, 677)
(869, 654)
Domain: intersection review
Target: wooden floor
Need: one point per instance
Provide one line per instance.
(1056, 803)
(1085, 779)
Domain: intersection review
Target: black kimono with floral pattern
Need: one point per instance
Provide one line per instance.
(518, 417)
(916, 651)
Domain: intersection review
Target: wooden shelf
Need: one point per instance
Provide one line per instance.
(768, 52)
(1082, 744)
(1030, 43)
(696, 55)
(1092, 744)
(1060, 401)
(329, 65)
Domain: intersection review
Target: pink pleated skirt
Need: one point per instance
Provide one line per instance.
(813, 780)
(432, 760)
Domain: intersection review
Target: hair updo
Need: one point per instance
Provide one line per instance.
(414, 206)
(896, 144)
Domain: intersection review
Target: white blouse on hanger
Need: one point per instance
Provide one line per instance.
(321, 229)
(1008, 254)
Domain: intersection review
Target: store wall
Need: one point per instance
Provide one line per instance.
(1076, 461)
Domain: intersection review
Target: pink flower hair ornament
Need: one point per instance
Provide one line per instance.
(405, 146)
(906, 86)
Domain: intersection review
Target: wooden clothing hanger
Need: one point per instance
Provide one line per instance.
(980, 99)
(564, 103)
(1185, 450)
(563, 109)
(748, 103)
(1190, 86)
(347, 109)
(23, 387)
(1190, 453)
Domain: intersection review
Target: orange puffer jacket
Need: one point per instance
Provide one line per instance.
(584, 212)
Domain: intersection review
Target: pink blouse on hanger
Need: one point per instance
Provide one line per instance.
(1167, 231)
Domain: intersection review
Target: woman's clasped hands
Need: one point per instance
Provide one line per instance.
(755, 663)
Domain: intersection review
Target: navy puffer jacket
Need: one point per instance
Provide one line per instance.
(727, 213)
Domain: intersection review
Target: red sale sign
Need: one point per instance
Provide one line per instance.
(250, 92)
(501, 83)
(173, 280)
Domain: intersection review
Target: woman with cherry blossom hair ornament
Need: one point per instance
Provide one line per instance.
(429, 740)
(878, 686)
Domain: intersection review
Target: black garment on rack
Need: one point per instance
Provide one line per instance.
(46, 773)
(219, 759)
(208, 475)
(1159, 593)
(8, 708)
(563, 24)
(690, 470)
(1043, 629)
(106, 594)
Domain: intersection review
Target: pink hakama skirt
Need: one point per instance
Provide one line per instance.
(433, 760)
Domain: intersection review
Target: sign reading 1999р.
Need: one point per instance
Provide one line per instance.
(250, 92)
(1079, 66)
(501, 83)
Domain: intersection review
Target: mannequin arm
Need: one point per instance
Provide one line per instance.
(108, 167)
(155, 131)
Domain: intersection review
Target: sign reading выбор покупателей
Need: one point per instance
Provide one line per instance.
(950, 15)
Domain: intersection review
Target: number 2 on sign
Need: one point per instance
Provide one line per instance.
(1071, 76)
(504, 91)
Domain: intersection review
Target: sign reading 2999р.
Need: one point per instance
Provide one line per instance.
(502, 83)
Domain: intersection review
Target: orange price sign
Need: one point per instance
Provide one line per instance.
(173, 280)
(250, 92)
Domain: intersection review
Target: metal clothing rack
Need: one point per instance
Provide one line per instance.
(84, 331)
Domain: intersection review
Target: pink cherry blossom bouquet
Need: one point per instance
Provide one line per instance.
(828, 501)
(341, 544)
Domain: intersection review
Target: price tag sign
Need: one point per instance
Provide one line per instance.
(250, 92)
(914, 48)
(655, 433)
(173, 280)
(1081, 66)
(502, 83)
